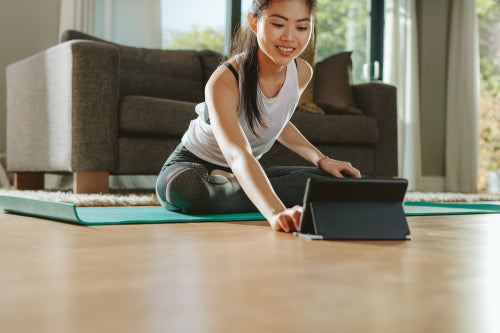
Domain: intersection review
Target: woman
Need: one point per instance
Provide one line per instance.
(248, 105)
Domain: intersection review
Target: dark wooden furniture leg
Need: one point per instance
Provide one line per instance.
(29, 181)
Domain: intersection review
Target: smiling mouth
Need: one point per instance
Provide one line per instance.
(285, 49)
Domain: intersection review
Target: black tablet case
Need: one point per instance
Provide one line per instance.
(359, 209)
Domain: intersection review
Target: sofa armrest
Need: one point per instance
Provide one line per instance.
(379, 100)
(62, 109)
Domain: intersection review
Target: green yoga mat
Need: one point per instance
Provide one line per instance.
(431, 208)
(108, 215)
(123, 215)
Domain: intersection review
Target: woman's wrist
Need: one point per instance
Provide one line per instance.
(321, 159)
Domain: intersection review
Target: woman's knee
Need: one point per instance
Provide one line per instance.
(171, 175)
(187, 187)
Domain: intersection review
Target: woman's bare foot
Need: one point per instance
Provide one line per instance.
(228, 175)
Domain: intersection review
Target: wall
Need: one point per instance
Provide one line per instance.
(26, 27)
(432, 28)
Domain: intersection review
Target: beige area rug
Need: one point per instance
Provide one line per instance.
(148, 197)
(115, 198)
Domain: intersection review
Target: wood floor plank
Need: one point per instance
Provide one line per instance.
(244, 277)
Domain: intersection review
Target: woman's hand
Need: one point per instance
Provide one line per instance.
(335, 168)
(287, 220)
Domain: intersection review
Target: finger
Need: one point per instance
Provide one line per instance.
(291, 224)
(298, 208)
(355, 172)
(284, 223)
(337, 174)
(351, 170)
(290, 220)
(277, 226)
(296, 217)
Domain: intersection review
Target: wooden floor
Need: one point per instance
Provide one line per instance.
(243, 277)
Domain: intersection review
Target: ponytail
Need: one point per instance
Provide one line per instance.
(250, 66)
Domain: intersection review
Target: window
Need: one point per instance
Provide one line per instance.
(193, 24)
(245, 8)
(341, 25)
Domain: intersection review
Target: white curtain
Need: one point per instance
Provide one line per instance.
(128, 22)
(4, 180)
(401, 69)
(462, 108)
(77, 15)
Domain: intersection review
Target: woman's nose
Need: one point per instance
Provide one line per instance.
(287, 35)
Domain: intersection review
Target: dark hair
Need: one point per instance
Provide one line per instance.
(246, 41)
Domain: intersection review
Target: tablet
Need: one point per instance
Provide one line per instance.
(354, 208)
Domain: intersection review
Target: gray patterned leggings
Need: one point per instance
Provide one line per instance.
(185, 184)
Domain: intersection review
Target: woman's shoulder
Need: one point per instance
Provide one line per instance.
(236, 60)
(304, 72)
(223, 78)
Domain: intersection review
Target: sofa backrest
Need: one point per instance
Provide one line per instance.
(210, 60)
(173, 74)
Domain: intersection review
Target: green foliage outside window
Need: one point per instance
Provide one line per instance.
(489, 49)
(197, 39)
(341, 26)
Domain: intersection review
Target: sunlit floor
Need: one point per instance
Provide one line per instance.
(243, 277)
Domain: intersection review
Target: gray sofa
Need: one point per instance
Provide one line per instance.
(94, 108)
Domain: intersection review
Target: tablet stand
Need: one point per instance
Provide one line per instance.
(345, 209)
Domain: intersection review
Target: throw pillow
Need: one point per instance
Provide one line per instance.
(332, 85)
(310, 107)
(306, 103)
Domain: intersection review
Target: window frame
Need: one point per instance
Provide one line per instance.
(233, 19)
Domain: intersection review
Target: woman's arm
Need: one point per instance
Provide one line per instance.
(222, 98)
(291, 138)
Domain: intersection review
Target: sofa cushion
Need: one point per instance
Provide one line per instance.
(173, 74)
(337, 129)
(361, 157)
(155, 117)
(332, 85)
(143, 156)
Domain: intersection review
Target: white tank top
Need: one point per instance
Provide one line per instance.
(276, 112)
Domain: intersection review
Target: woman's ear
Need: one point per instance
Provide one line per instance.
(252, 22)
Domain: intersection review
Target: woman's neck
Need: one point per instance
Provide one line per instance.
(267, 67)
(271, 76)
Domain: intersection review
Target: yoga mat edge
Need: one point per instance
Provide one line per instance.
(40, 208)
(133, 215)
(109, 215)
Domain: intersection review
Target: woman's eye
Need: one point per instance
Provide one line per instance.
(303, 28)
(278, 25)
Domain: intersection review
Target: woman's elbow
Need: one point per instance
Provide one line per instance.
(238, 159)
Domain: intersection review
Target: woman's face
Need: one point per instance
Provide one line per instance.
(283, 30)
